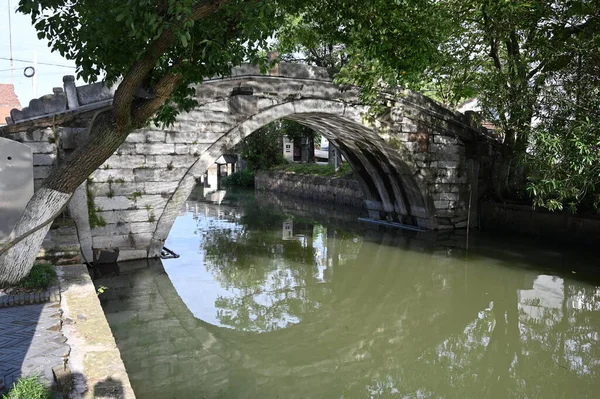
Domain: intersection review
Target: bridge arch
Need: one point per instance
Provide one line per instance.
(386, 177)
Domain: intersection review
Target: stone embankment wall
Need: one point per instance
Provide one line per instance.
(523, 219)
(336, 190)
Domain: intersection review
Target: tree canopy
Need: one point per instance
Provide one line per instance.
(532, 65)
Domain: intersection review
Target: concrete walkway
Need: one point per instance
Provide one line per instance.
(31, 343)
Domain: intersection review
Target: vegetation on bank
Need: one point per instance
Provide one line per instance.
(39, 278)
(28, 388)
(241, 179)
(314, 169)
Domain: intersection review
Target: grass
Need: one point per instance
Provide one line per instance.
(314, 169)
(39, 278)
(28, 388)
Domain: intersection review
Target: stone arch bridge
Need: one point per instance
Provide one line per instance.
(418, 163)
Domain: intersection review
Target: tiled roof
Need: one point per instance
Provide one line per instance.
(8, 101)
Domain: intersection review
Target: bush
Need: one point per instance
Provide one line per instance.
(39, 278)
(28, 388)
(243, 178)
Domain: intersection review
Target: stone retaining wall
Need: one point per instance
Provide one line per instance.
(539, 223)
(336, 190)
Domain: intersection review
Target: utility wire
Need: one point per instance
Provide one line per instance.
(39, 63)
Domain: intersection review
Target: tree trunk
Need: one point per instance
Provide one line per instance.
(56, 191)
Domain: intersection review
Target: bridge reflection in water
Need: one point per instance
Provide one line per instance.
(265, 302)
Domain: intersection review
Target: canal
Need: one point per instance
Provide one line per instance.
(277, 298)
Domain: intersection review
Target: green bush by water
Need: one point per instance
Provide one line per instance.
(39, 278)
(242, 179)
(28, 388)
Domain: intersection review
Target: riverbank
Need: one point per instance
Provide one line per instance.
(520, 219)
(329, 189)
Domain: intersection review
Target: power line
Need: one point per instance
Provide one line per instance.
(39, 63)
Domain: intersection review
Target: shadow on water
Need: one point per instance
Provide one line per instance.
(273, 298)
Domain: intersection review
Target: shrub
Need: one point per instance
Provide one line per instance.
(39, 278)
(243, 178)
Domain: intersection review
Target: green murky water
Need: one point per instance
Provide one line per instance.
(279, 299)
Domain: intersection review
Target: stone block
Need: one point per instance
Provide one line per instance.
(176, 161)
(125, 216)
(409, 126)
(445, 196)
(158, 174)
(155, 149)
(125, 228)
(117, 202)
(203, 114)
(154, 201)
(113, 175)
(219, 106)
(115, 188)
(445, 188)
(136, 137)
(41, 172)
(124, 162)
(127, 149)
(191, 149)
(445, 139)
(441, 156)
(44, 159)
(441, 204)
(448, 164)
(160, 187)
(183, 137)
(40, 147)
(155, 136)
(444, 148)
(134, 241)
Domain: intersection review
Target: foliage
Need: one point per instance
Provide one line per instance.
(94, 218)
(565, 164)
(263, 149)
(39, 278)
(28, 388)
(242, 178)
(315, 169)
(375, 44)
(530, 64)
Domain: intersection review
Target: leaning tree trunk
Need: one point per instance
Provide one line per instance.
(57, 189)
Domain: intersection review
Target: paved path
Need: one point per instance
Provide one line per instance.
(30, 342)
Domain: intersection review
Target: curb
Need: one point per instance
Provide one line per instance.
(52, 294)
(95, 365)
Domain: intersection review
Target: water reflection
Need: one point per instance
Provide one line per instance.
(267, 301)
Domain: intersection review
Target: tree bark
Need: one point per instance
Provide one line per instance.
(56, 191)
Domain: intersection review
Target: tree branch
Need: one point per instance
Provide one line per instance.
(123, 97)
(162, 90)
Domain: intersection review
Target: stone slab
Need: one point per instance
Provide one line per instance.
(95, 360)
